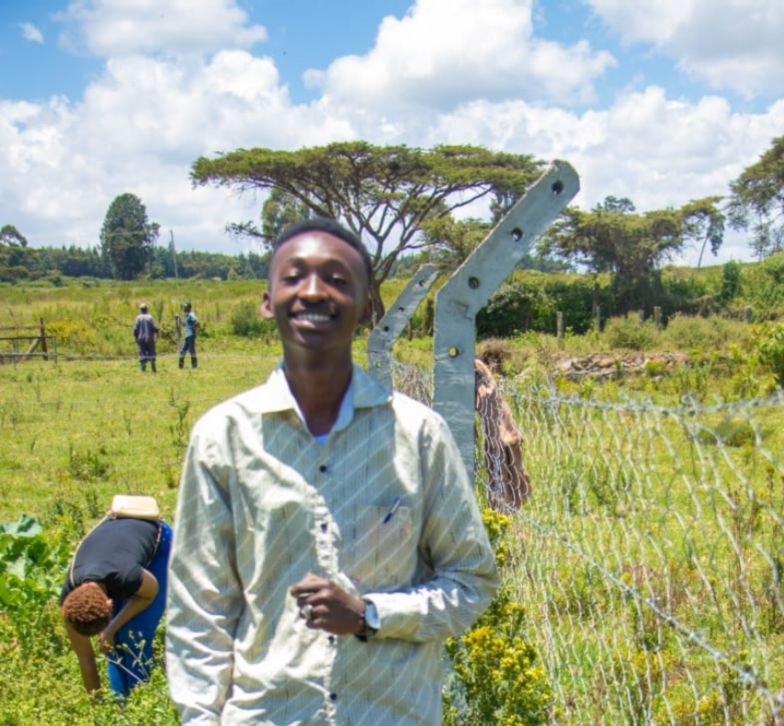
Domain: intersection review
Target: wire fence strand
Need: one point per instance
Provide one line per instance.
(649, 553)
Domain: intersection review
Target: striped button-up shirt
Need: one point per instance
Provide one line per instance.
(262, 503)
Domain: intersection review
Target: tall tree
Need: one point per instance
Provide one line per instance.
(758, 200)
(127, 237)
(383, 193)
(11, 236)
(613, 238)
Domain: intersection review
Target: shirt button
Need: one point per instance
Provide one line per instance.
(323, 468)
(323, 526)
(333, 696)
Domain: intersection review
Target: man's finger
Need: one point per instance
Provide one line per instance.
(308, 584)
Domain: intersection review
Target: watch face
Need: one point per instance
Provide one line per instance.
(371, 616)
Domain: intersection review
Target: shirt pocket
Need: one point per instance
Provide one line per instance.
(379, 555)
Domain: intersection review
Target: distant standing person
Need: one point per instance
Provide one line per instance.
(145, 330)
(189, 344)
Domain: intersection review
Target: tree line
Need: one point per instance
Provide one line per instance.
(408, 206)
(55, 263)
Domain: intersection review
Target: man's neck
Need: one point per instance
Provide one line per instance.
(318, 387)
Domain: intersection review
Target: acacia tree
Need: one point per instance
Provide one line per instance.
(11, 236)
(613, 238)
(758, 199)
(127, 237)
(386, 194)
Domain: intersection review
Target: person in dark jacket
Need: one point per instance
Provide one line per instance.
(116, 589)
(145, 330)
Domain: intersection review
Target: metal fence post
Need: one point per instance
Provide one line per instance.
(389, 328)
(469, 288)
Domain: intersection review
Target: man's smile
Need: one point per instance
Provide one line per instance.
(312, 317)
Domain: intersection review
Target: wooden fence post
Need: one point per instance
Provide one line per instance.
(44, 349)
(559, 324)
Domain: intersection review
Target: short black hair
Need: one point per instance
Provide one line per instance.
(330, 226)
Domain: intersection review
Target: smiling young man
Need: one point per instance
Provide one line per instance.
(327, 537)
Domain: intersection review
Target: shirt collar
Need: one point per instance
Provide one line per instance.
(364, 392)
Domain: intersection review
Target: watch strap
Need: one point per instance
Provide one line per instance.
(370, 621)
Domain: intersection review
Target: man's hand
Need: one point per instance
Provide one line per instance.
(334, 610)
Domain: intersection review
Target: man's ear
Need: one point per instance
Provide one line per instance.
(266, 307)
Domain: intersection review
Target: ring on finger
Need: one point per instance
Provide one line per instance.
(306, 611)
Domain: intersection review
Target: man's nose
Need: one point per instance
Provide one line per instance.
(313, 288)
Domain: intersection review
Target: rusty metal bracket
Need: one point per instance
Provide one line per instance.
(469, 288)
(389, 328)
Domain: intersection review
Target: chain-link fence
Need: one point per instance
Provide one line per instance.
(649, 554)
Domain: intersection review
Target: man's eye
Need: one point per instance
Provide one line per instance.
(338, 280)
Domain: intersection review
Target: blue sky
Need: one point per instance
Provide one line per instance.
(662, 101)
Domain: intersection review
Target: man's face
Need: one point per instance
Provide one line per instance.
(317, 292)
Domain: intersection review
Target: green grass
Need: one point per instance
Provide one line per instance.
(681, 508)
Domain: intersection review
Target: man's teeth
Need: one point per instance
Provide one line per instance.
(313, 317)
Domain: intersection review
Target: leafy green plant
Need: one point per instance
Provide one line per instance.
(246, 322)
(770, 350)
(631, 334)
(496, 676)
(88, 464)
(655, 368)
(730, 281)
(31, 572)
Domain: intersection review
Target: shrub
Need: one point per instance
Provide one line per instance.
(75, 334)
(531, 300)
(684, 332)
(765, 288)
(246, 323)
(511, 309)
(770, 350)
(630, 333)
(496, 677)
(730, 281)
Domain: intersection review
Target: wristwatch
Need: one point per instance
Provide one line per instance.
(370, 621)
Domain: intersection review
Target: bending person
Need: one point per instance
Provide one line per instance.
(116, 589)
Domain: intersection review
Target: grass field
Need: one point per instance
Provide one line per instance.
(647, 566)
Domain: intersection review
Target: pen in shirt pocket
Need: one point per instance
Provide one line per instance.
(391, 511)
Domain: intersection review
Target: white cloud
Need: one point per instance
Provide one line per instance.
(110, 28)
(729, 44)
(31, 33)
(444, 52)
(655, 150)
(138, 128)
(146, 117)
